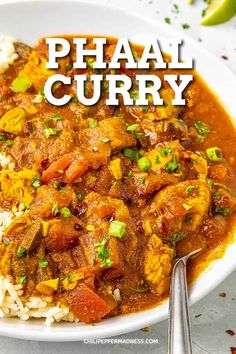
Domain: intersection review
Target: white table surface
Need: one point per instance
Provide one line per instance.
(213, 315)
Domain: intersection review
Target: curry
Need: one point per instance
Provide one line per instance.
(105, 198)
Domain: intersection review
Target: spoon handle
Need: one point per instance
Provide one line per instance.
(179, 339)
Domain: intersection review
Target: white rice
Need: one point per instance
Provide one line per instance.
(12, 305)
(7, 53)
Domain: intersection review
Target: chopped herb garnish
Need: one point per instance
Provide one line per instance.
(68, 67)
(103, 253)
(131, 153)
(185, 26)
(43, 263)
(65, 212)
(222, 211)
(22, 278)
(141, 180)
(132, 127)
(70, 276)
(201, 127)
(2, 137)
(177, 236)
(209, 181)
(9, 143)
(167, 20)
(90, 63)
(175, 9)
(144, 109)
(20, 252)
(217, 196)
(93, 123)
(117, 229)
(157, 159)
(200, 138)
(79, 197)
(191, 188)
(134, 94)
(36, 182)
(188, 218)
(57, 117)
(55, 209)
(48, 132)
(167, 151)
(106, 86)
(144, 163)
(6, 243)
(215, 154)
(171, 166)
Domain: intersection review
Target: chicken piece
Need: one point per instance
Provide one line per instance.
(195, 165)
(158, 260)
(177, 210)
(109, 131)
(165, 130)
(49, 201)
(224, 201)
(63, 233)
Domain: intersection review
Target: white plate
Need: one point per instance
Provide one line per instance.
(28, 21)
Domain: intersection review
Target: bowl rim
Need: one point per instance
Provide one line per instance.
(125, 323)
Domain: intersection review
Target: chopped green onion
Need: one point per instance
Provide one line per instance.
(132, 127)
(22, 278)
(70, 276)
(2, 137)
(209, 181)
(103, 253)
(43, 263)
(191, 188)
(21, 84)
(20, 252)
(167, 20)
(48, 132)
(57, 117)
(79, 197)
(6, 243)
(131, 153)
(55, 209)
(171, 166)
(65, 212)
(117, 229)
(90, 63)
(144, 163)
(201, 127)
(134, 94)
(9, 143)
(93, 123)
(144, 109)
(105, 140)
(157, 160)
(36, 182)
(222, 211)
(68, 67)
(106, 86)
(185, 26)
(167, 151)
(177, 236)
(214, 154)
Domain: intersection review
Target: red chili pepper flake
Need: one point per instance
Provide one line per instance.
(199, 315)
(224, 57)
(145, 329)
(45, 163)
(230, 332)
(222, 294)
(233, 350)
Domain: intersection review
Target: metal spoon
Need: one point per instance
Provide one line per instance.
(179, 334)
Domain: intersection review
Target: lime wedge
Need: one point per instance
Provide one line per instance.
(219, 11)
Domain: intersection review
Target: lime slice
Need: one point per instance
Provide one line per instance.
(219, 11)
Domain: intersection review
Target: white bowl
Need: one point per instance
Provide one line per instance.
(28, 21)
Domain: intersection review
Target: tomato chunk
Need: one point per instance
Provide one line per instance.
(86, 304)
